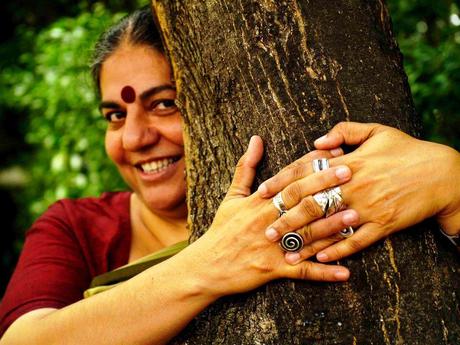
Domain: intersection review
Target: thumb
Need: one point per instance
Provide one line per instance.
(349, 133)
(245, 170)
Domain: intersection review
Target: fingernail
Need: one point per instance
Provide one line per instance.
(322, 257)
(342, 274)
(292, 258)
(349, 218)
(321, 140)
(263, 190)
(336, 152)
(343, 173)
(271, 234)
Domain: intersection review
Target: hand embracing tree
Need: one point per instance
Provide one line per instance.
(289, 71)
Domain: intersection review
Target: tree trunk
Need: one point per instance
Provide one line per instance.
(288, 71)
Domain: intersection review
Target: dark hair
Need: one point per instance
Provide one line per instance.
(137, 28)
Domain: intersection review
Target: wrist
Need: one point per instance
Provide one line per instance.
(449, 214)
(201, 278)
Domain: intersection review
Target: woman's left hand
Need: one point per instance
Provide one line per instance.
(397, 181)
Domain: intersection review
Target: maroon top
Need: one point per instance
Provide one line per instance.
(72, 242)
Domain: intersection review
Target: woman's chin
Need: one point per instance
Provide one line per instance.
(173, 205)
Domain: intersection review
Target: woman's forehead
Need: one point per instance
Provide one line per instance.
(133, 69)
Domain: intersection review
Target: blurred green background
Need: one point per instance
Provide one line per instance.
(51, 131)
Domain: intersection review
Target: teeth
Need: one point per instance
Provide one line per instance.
(156, 166)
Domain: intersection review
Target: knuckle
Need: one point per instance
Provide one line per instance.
(296, 170)
(305, 270)
(307, 234)
(263, 267)
(293, 193)
(309, 208)
(353, 244)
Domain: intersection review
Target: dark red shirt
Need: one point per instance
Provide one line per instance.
(72, 242)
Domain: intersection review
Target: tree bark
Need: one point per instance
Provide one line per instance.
(288, 71)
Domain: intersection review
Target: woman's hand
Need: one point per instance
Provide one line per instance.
(397, 181)
(238, 255)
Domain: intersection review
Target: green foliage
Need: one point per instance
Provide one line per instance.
(429, 37)
(51, 84)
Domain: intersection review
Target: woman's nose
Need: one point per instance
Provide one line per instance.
(138, 132)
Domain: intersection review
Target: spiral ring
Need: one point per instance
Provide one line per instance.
(291, 242)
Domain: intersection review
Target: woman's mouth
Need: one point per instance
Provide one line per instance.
(156, 166)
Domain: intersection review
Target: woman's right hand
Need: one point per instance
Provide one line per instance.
(235, 255)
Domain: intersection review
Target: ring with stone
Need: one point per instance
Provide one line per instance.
(347, 232)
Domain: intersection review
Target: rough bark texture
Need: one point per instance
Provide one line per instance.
(288, 71)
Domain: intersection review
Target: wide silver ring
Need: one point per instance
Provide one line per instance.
(291, 242)
(320, 164)
(347, 232)
(279, 204)
(330, 200)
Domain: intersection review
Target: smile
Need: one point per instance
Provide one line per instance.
(157, 165)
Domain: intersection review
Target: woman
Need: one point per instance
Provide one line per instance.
(144, 139)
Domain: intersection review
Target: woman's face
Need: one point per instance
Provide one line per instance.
(144, 133)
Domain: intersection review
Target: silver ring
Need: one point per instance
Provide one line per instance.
(291, 242)
(330, 200)
(455, 239)
(279, 204)
(320, 164)
(347, 232)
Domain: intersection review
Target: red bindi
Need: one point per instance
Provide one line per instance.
(128, 94)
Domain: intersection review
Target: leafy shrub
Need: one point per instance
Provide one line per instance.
(429, 37)
(51, 83)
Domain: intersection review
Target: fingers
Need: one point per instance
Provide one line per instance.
(293, 172)
(296, 191)
(367, 234)
(308, 270)
(316, 230)
(349, 133)
(245, 170)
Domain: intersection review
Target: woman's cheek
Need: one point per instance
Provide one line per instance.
(177, 130)
(113, 147)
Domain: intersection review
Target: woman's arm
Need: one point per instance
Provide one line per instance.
(397, 181)
(233, 256)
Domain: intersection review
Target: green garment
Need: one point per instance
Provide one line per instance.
(110, 279)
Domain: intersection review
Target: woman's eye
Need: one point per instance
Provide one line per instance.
(115, 116)
(163, 107)
(166, 104)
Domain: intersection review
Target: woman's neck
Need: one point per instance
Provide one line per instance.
(152, 231)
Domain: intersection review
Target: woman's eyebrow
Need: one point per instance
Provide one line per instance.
(109, 105)
(154, 90)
